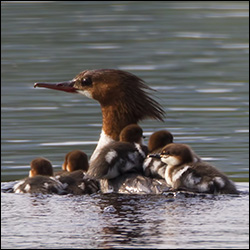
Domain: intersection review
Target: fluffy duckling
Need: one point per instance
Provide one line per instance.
(154, 167)
(184, 173)
(40, 179)
(75, 161)
(74, 168)
(121, 157)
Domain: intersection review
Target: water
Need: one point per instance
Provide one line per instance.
(195, 54)
(124, 221)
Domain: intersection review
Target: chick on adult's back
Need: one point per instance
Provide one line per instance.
(121, 157)
(154, 167)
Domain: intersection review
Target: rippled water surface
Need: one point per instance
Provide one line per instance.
(125, 221)
(194, 54)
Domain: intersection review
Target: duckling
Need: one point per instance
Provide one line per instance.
(154, 167)
(184, 173)
(40, 179)
(121, 157)
(74, 168)
(75, 161)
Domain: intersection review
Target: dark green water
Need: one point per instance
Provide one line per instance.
(195, 54)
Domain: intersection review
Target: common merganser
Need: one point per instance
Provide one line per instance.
(184, 173)
(122, 97)
(75, 160)
(40, 179)
(124, 100)
(152, 166)
(73, 175)
(158, 140)
(119, 157)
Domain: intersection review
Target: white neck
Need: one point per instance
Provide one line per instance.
(103, 141)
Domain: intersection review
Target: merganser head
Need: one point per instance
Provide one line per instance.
(132, 133)
(123, 97)
(75, 160)
(158, 140)
(40, 166)
(175, 154)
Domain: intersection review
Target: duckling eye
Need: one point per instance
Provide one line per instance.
(86, 82)
(166, 153)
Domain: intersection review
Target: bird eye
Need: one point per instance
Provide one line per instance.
(166, 153)
(86, 82)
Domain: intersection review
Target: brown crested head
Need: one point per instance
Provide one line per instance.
(75, 160)
(181, 151)
(111, 86)
(159, 139)
(124, 97)
(131, 133)
(41, 166)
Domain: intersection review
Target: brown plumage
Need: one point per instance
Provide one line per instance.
(40, 166)
(183, 173)
(158, 140)
(123, 97)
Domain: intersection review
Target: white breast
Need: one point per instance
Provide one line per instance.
(103, 141)
(172, 176)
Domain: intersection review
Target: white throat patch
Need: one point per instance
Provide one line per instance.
(103, 141)
(85, 93)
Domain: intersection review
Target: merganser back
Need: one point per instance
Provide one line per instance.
(184, 173)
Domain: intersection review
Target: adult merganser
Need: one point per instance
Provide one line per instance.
(121, 157)
(184, 173)
(40, 179)
(123, 99)
(154, 167)
(73, 175)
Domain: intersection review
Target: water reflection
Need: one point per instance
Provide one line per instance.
(126, 223)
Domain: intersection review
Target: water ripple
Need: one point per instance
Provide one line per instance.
(69, 143)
